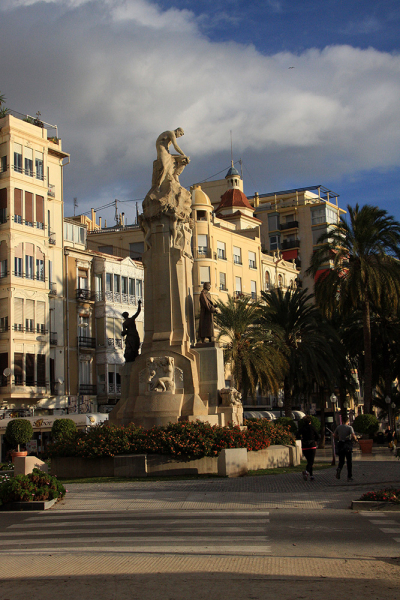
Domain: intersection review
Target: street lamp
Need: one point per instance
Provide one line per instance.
(393, 405)
(388, 400)
(333, 400)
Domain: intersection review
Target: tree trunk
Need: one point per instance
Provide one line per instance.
(321, 395)
(287, 398)
(367, 357)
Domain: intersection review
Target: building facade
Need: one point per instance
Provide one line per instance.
(31, 258)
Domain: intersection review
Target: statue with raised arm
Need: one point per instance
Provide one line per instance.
(165, 163)
(132, 340)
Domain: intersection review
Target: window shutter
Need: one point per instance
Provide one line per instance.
(3, 198)
(18, 311)
(40, 209)
(29, 309)
(18, 202)
(110, 327)
(29, 207)
(40, 315)
(30, 369)
(18, 358)
(41, 369)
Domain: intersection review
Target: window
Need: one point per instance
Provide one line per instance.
(30, 369)
(84, 329)
(280, 281)
(29, 209)
(136, 249)
(132, 287)
(40, 317)
(238, 286)
(273, 222)
(3, 164)
(106, 249)
(237, 255)
(29, 267)
(40, 212)
(41, 369)
(274, 242)
(3, 315)
(289, 218)
(221, 250)
(17, 205)
(139, 288)
(18, 158)
(3, 205)
(3, 268)
(3, 324)
(50, 272)
(204, 275)
(3, 366)
(40, 269)
(18, 311)
(18, 360)
(108, 282)
(117, 288)
(83, 279)
(18, 267)
(124, 285)
(316, 234)
(29, 315)
(324, 214)
(252, 260)
(267, 279)
(201, 215)
(28, 161)
(84, 372)
(222, 281)
(39, 166)
(253, 286)
(202, 244)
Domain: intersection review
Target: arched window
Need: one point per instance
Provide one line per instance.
(280, 281)
(267, 280)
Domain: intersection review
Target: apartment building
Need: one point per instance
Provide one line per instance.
(31, 260)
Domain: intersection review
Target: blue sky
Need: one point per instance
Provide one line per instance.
(310, 90)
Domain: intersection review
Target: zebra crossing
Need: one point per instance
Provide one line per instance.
(388, 523)
(216, 532)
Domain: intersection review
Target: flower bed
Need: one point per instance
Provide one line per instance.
(7, 466)
(187, 440)
(385, 495)
(27, 488)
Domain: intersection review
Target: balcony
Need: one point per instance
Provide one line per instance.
(289, 225)
(288, 244)
(87, 389)
(84, 295)
(114, 342)
(203, 252)
(86, 342)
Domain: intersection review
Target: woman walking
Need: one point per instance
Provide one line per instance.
(309, 439)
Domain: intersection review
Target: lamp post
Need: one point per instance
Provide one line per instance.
(333, 400)
(393, 405)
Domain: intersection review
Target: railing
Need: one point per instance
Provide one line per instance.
(203, 252)
(53, 289)
(114, 342)
(87, 389)
(287, 244)
(83, 294)
(237, 259)
(290, 225)
(4, 274)
(53, 338)
(114, 388)
(223, 288)
(86, 342)
(252, 264)
(52, 241)
(221, 254)
(117, 297)
(31, 276)
(50, 190)
(20, 381)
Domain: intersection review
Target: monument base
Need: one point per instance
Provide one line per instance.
(211, 371)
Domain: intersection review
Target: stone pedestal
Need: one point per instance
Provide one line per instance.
(211, 372)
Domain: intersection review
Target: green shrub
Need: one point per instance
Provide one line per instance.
(19, 431)
(287, 422)
(63, 429)
(367, 424)
(315, 422)
(184, 439)
(34, 486)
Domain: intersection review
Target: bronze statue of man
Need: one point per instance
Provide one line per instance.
(207, 308)
(132, 340)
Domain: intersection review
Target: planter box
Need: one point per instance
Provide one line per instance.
(374, 505)
(36, 505)
(366, 446)
(231, 462)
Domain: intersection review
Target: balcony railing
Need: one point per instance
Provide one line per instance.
(237, 259)
(53, 289)
(114, 342)
(290, 225)
(252, 264)
(203, 252)
(288, 244)
(114, 388)
(87, 389)
(20, 381)
(86, 342)
(121, 298)
(84, 294)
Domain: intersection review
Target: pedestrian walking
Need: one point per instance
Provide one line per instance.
(344, 435)
(309, 439)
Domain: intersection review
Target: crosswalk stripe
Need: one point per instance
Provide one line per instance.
(217, 550)
(143, 540)
(204, 524)
(137, 530)
(388, 530)
(386, 522)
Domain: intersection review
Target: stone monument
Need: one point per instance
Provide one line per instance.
(162, 384)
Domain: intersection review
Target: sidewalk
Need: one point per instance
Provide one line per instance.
(244, 493)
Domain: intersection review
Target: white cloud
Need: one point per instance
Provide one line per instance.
(114, 74)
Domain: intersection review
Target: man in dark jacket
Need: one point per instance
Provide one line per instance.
(344, 434)
(309, 439)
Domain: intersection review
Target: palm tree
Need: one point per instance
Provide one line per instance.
(3, 111)
(299, 330)
(253, 359)
(357, 265)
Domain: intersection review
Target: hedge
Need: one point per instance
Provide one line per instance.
(184, 439)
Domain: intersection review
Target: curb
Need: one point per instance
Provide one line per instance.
(368, 505)
(35, 505)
